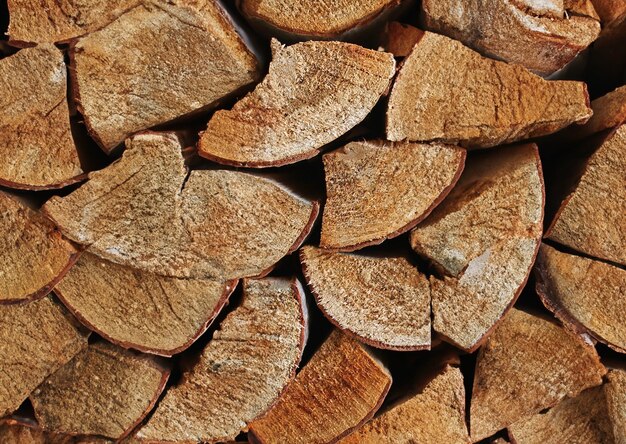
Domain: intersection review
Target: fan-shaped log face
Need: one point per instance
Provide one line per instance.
(314, 92)
(138, 309)
(36, 146)
(34, 255)
(527, 365)
(147, 212)
(483, 239)
(475, 101)
(241, 372)
(377, 190)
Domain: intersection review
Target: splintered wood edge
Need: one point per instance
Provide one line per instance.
(52, 186)
(229, 288)
(412, 224)
(254, 163)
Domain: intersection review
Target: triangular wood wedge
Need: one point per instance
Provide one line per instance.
(475, 101)
(591, 219)
(401, 38)
(36, 146)
(314, 93)
(615, 391)
(435, 415)
(138, 309)
(34, 255)
(157, 62)
(483, 238)
(339, 389)
(528, 364)
(385, 302)
(377, 190)
(579, 420)
(609, 111)
(586, 295)
(37, 338)
(541, 36)
(242, 370)
(105, 390)
(146, 211)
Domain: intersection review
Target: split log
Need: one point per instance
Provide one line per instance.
(36, 146)
(580, 420)
(609, 10)
(483, 239)
(541, 36)
(528, 364)
(609, 111)
(241, 372)
(385, 302)
(34, 255)
(141, 310)
(615, 391)
(586, 295)
(146, 211)
(401, 38)
(157, 62)
(340, 388)
(434, 415)
(104, 390)
(591, 218)
(37, 338)
(474, 101)
(314, 93)
(376, 190)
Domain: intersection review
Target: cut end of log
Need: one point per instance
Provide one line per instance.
(528, 364)
(314, 93)
(609, 111)
(104, 390)
(477, 102)
(401, 38)
(376, 190)
(615, 392)
(242, 370)
(385, 302)
(340, 388)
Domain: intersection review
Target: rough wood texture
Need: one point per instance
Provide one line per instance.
(34, 255)
(142, 310)
(579, 420)
(105, 390)
(340, 388)
(401, 38)
(241, 372)
(609, 10)
(385, 302)
(14, 432)
(542, 36)
(435, 415)
(609, 111)
(36, 146)
(314, 92)
(37, 338)
(146, 211)
(591, 219)
(527, 365)
(376, 190)
(586, 295)
(483, 238)
(475, 101)
(615, 392)
(157, 62)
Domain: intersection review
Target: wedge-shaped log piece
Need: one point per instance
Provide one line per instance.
(241, 372)
(401, 38)
(435, 415)
(146, 211)
(541, 36)
(478, 102)
(340, 388)
(314, 92)
(591, 219)
(37, 338)
(36, 146)
(579, 420)
(34, 255)
(586, 295)
(483, 238)
(142, 310)
(377, 190)
(528, 364)
(385, 302)
(615, 391)
(609, 111)
(157, 62)
(105, 390)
